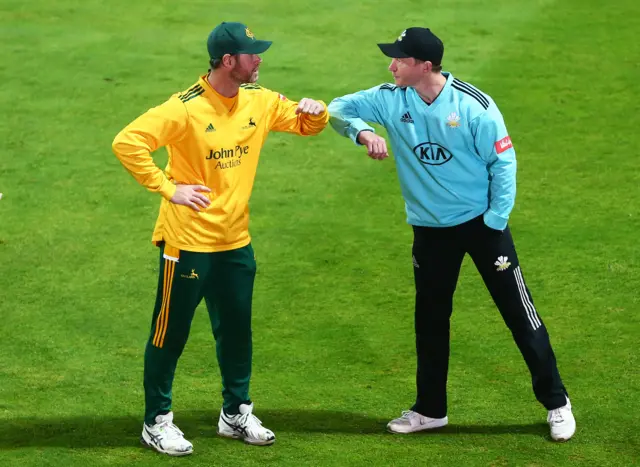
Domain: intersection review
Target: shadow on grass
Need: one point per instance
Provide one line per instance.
(87, 432)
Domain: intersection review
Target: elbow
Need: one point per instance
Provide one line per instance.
(125, 144)
(116, 145)
(310, 130)
(334, 107)
(313, 125)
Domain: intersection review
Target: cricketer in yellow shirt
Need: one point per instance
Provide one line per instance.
(213, 132)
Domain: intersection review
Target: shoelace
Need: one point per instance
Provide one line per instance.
(249, 419)
(408, 414)
(555, 416)
(171, 430)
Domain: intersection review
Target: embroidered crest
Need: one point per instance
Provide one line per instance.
(453, 120)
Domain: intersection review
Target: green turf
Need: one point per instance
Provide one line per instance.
(333, 328)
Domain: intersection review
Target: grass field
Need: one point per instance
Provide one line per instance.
(334, 346)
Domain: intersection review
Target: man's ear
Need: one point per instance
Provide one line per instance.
(228, 60)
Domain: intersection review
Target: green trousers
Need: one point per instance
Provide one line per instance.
(225, 280)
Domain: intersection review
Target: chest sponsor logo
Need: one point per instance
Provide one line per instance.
(228, 158)
(503, 144)
(432, 153)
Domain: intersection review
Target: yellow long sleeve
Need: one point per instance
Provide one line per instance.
(160, 126)
(285, 118)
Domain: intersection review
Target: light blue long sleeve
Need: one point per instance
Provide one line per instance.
(349, 114)
(496, 149)
(454, 158)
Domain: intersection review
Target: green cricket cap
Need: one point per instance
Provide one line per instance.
(234, 38)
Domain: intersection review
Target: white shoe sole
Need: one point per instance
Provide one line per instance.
(564, 438)
(426, 427)
(162, 451)
(256, 442)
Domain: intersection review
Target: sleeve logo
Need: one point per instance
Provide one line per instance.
(503, 145)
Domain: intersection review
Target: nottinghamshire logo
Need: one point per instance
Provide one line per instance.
(193, 275)
(249, 125)
(228, 158)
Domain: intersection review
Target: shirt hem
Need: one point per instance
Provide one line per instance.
(418, 223)
(203, 248)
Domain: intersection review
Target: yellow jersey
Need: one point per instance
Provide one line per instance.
(214, 141)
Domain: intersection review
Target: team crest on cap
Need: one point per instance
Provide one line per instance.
(404, 33)
(453, 120)
(249, 34)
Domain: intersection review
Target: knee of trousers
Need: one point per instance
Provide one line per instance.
(535, 345)
(431, 325)
(432, 309)
(173, 339)
(526, 327)
(235, 335)
(435, 298)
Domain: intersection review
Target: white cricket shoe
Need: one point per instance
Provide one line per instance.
(411, 422)
(165, 437)
(245, 426)
(562, 423)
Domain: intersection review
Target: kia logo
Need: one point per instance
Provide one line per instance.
(432, 153)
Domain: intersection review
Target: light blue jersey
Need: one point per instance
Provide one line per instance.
(454, 157)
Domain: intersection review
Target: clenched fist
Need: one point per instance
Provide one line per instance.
(309, 107)
(376, 145)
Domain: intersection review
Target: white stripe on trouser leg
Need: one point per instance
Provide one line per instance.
(526, 302)
(534, 313)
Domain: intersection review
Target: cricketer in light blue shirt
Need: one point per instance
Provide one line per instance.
(454, 156)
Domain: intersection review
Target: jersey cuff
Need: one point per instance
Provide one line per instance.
(167, 189)
(355, 128)
(494, 221)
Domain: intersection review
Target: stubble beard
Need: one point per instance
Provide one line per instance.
(243, 77)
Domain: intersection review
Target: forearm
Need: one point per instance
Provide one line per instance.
(502, 195)
(349, 127)
(134, 152)
(311, 125)
(350, 113)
